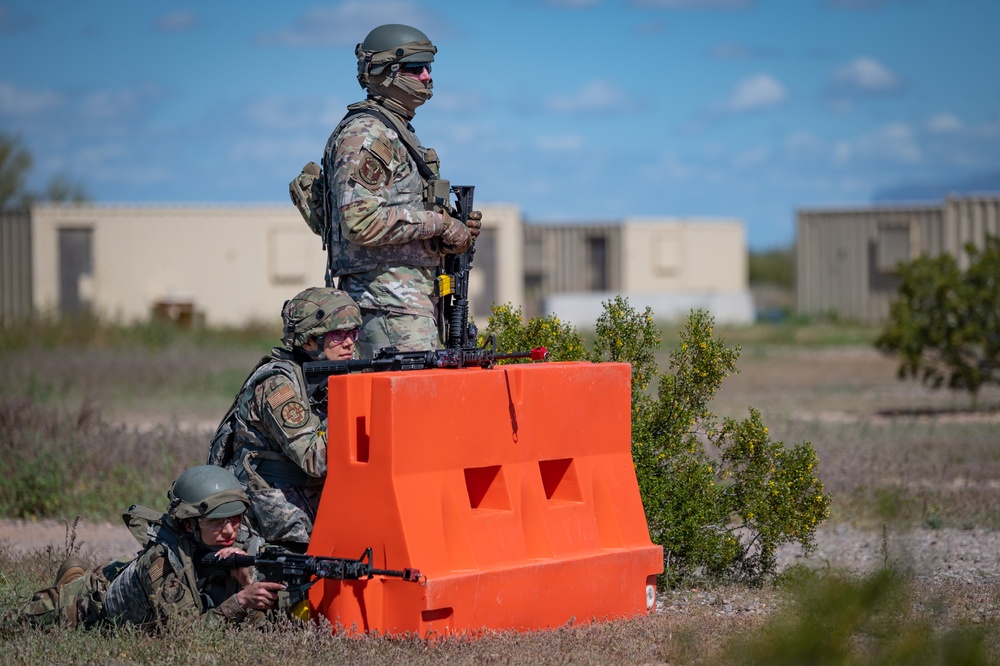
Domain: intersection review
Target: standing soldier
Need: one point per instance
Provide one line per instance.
(274, 436)
(165, 583)
(389, 214)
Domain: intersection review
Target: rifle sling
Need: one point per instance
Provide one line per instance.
(425, 171)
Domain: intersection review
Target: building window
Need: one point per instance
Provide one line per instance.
(287, 256)
(666, 258)
(597, 262)
(76, 269)
(893, 246)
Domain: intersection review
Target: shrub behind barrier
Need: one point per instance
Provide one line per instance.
(719, 496)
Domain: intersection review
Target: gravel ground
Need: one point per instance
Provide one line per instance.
(965, 559)
(966, 562)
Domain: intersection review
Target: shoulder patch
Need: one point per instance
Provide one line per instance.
(370, 172)
(382, 149)
(156, 569)
(277, 398)
(172, 590)
(294, 414)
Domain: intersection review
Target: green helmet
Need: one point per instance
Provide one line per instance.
(316, 311)
(387, 46)
(206, 491)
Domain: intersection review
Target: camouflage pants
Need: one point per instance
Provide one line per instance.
(284, 515)
(388, 329)
(79, 603)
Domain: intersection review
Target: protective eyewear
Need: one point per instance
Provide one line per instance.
(217, 524)
(415, 68)
(338, 337)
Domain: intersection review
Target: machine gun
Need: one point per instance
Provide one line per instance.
(453, 284)
(389, 358)
(299, 572)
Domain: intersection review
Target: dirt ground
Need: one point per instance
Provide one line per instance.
(828, 384)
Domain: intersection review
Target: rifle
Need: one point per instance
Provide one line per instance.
(300, 572)
(390, 358)
(453, 284)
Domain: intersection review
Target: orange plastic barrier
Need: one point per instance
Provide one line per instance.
(511, 489)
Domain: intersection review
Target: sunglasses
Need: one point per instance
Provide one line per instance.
(338, 337)
(415, 68)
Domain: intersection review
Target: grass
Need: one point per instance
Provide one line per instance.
(96, 417)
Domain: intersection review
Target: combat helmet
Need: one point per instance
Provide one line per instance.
(206, 491)
(316, 311)
(388, 45)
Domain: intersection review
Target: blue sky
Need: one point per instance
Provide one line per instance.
(574, 110)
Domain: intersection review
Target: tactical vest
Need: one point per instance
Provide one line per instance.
(244, 450)
(345, 257)
(125, 600)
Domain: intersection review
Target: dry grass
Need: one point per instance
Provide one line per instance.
(890, 452)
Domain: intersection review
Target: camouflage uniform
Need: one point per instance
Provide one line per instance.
(384, 247)
(160, 586)
(274, 440)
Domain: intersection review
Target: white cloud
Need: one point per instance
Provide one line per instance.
(863, 76)
(751, 157)
(465, 102)
(594, 97)
(895, 142)
(109, 104)
(760, 91)
(573, 4)
(739, 51)
(17, 101)
(842, 152)
(270, 151)
(344, 24)
(176, 21)
(862, 5)
(696, 4)
(283, 113)
(803, 141)
(566, 143)
(944, 123)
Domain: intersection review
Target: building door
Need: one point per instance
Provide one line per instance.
(597, 263)
(76, 265)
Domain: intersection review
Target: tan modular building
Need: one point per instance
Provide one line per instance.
(221, 265)
(846, 258)
(232, 264)
(671, 265)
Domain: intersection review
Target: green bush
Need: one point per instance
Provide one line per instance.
(943, 325)
(775, 266)
(720, 497)
(875, 619)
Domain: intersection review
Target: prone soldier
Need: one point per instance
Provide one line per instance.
(166, 582)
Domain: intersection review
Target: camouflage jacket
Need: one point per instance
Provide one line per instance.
(164, 584)
(274, 440)
(160, 586)
(379, 222)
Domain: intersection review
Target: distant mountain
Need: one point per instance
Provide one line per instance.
(981, 184)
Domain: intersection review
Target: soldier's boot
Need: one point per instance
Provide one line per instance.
(72, 568)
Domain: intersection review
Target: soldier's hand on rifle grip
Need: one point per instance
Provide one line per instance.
(260, 595)
(455, 236)
(243, 575)
(475, 223)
